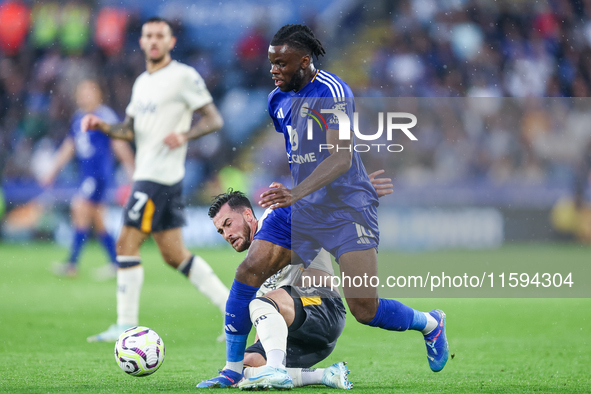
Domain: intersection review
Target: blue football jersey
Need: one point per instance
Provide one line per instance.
(93, 148)
(303, 119)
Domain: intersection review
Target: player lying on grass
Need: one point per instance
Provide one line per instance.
(331, 206)
(303, 322)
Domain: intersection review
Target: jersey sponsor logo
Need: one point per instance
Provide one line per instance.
(294, 139)
(145, 107)
(280, 114)
(301, 159)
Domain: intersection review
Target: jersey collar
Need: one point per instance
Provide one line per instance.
(303, 91)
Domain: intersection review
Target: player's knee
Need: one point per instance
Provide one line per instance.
(126, 248)
(172, 258)
(120, 247)
(284, 303)
(362, 310)
(254, 360)
(362, 316)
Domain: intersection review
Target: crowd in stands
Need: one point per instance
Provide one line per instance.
(411, 48)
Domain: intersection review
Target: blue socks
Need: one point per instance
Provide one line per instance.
(109, 245)
(419, 321)
(395, 316)
(237, 323)
(79, 238)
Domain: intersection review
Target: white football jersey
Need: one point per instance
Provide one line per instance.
(163, 102)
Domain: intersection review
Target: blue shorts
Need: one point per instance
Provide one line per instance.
(93, 189)
(338, 231)
(275, 227)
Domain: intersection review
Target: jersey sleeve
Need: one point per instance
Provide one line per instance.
(195, 93)
(336, 95)
(130, 110)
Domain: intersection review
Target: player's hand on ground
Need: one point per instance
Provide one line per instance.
(278, 196)
(383, 186)
(92, 122)
(175, 140)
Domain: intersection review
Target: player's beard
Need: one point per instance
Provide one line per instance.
(296, 81)
(247, 236)
(156, 60)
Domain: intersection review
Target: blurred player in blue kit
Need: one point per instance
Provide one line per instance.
(94, 154)
(332, 206)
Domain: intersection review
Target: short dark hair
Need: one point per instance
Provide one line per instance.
(156, 19)
(299, 37)
(235, 199)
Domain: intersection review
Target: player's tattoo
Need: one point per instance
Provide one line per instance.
(122, 131)
(210, 121)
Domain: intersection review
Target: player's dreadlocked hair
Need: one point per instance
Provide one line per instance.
(235, 199)
(299, 37)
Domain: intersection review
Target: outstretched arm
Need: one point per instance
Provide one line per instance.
(121, 131)
(62, 157)
(210, 121)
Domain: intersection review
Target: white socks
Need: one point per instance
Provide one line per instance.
(431, 324)
(272, 330)
(130, 278)
(129, 286)
(300, 376)
(312, 376)
(206, 281)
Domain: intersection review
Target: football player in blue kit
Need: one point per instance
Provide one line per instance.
(331, 205)
(94, 154)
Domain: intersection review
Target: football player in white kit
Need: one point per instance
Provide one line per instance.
(158, 119)
(301, 323)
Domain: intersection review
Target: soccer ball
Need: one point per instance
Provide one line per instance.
(139, 351)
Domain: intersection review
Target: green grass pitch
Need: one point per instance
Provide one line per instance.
(500, 345)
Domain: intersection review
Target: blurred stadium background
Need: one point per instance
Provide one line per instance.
(485, 171)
